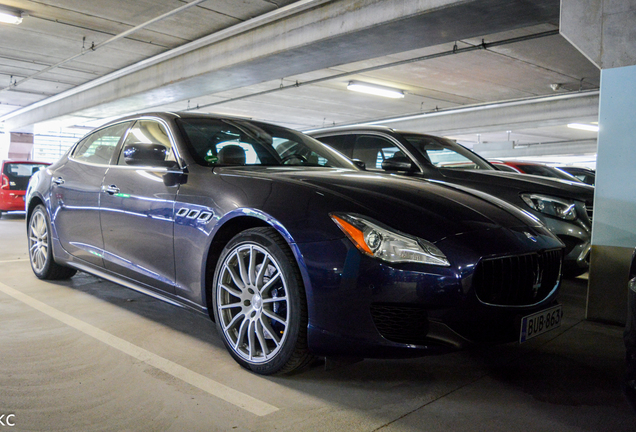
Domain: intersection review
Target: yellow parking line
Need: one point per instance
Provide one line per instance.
(204, 383)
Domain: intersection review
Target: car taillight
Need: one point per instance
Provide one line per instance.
(5, 183)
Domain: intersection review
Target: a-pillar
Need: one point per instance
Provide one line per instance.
(604, 31)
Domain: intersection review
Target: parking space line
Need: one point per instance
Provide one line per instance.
(14, 260)
(204, 383)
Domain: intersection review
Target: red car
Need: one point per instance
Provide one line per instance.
(534, 169)
(14, 180)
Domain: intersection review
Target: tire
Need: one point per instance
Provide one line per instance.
(262, 334)
(40, 251)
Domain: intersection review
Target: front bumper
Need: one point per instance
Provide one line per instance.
(360, 306)
(12, 200)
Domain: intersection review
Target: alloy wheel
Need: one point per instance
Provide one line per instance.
(38, 241)
(252, 303)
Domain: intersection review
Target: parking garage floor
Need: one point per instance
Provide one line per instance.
(85, 355)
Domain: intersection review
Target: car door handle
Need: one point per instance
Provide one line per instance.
(112, 189)
(58, 180)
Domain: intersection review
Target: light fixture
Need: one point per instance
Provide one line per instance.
(10, 17)
(375, 89)
(587, 127)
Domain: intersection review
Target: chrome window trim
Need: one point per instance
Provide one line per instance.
(71, 155)
(173, 142)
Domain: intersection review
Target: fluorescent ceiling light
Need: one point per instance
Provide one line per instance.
(587, 127)
(10, 17)
(375, 89)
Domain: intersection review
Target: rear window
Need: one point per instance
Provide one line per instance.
(20, 173)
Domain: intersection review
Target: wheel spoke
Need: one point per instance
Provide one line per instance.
(235, 278)
(234, 320)
(41, 225)
(251, 270)
(274, 299)
(39, 259)
(261, 271)
(234, 292)
(242, 270)
(271, 331)
(251, 330)
(270, 282)
(275, 317)
(231, 305)
(261, 337)
(34, 246)
(241, 334)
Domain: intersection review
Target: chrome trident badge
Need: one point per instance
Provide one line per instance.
(530, 236)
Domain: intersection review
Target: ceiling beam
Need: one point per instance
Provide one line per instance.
(322, 35)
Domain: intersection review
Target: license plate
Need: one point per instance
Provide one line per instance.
(540, 322)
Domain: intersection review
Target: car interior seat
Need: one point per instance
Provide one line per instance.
(231, 155)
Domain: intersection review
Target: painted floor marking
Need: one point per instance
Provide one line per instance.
(204, 383)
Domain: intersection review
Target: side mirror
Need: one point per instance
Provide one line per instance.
(398, 164)
(360, 164)
(147, 155)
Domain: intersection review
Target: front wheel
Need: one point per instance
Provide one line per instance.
(40, 251)
(260, 306)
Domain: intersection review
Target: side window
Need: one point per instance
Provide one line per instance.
(341, 143)
(99, 147)
(148, 132)
(373, 150)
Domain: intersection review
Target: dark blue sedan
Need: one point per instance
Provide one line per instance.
(291, 249)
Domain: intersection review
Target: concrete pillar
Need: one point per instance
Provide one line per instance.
(20, 146)
(604, 31)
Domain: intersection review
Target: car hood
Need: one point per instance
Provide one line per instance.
(521, 182)
(431, 210)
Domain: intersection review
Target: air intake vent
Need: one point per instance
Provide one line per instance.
(517, 280)
(403, 324)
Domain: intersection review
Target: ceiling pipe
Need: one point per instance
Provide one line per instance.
(106, 42)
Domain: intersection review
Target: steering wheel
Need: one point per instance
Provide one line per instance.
(294, 156)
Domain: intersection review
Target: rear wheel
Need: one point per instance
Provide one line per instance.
(40, 251)
(259, 303)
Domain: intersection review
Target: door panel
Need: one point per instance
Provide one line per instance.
(137, 215)
(75, 209)
(75, 193)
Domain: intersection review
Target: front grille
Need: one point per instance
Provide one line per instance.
(401, 323)
(517, 280)
(590, 211)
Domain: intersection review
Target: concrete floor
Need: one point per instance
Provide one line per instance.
(88, 355)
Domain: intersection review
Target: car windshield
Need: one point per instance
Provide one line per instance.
(214, 142)
(444, 153)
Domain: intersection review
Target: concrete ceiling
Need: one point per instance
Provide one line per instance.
(479, 71)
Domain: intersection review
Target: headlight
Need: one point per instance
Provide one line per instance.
(388, 245)
(632, 284)
(557, 207)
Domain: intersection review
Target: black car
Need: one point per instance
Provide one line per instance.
(564, 207)
(287, 245)
(586, 175)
